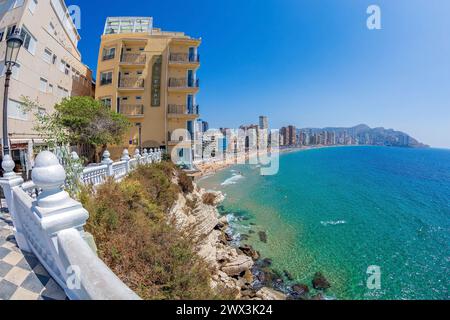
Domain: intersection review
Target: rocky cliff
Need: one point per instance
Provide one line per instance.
(231, 267)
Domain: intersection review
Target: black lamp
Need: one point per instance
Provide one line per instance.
(13, 43)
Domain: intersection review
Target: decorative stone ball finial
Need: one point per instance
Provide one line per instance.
(137, 154)
(75, 156)
(106, 159)
(145, 152)
(125, 155)
(8, 165)
(48, 173)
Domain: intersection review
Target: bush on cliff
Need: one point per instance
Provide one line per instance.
(135, 240)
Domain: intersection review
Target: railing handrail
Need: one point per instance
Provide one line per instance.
(133, 58)
(131, 109)
(131, 82)
(184, 83)
(182, 57)
(50, 224)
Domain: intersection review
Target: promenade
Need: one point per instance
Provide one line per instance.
(22, 277)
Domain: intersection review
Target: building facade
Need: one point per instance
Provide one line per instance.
(150, 76)
(48, 69)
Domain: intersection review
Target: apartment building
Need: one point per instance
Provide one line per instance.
(48, 69)
(150, 76)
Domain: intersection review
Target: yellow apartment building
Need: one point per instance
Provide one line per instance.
(48, 69)
(150, 76)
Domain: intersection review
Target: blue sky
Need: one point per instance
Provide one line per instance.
(311, 63)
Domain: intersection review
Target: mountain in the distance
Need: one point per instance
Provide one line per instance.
(364, 135)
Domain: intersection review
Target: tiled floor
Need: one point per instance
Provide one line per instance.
(22, 277)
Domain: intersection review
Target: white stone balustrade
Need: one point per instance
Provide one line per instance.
(50, 224)
(96, 175)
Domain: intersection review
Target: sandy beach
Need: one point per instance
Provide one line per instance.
(215, 165)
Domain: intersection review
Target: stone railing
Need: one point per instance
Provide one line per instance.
(98, 174)
(50, 224)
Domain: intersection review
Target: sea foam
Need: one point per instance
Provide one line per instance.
(332, 223)
(233, 180)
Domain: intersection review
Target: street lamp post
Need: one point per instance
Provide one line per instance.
(13, 44)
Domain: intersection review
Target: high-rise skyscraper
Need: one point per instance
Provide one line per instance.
(263, 123)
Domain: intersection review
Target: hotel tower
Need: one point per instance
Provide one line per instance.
(149, 76)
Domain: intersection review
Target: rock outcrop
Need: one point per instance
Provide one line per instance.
(231, 268)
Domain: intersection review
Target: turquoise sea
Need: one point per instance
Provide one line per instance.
(340, 210)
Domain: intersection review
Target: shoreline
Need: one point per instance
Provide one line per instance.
(213, 167)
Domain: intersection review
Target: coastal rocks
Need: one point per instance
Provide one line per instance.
(238, 265)
(231, 268)
(320, 282)
(300, 291)
(262, 236)
(249, 251)
(270, 294)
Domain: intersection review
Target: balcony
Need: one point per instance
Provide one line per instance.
(132, 110)
(131, 83)
(184, 59)
(177, 111)
(133, 58)
(184, 84)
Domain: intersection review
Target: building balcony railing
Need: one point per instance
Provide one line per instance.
(184, 58)
(131, 110)
(183, 109)
(184, 83)
(133, 58)
(131, 83)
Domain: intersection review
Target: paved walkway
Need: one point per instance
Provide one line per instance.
(22, 277)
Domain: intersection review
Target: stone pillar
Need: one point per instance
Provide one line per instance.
(55, 210)
(137, 156)
(78, 168)
(9, 181)
(106, 160)
(146, 156)
(126, 157)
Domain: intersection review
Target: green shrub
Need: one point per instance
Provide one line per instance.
(185, 182)
(209, 199)
(135, 240)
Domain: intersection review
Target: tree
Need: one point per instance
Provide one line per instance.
(81, 121)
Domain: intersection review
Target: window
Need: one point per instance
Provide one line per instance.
(67, 70)
(32, 6)
(54, 58)
(124, 98)
(139, 73)
(15, 110)
(128, 49)
(138, 98)
(47, 55)
(50, 88)
(43, 85)
(106, 78)
(141, 49)
(62, 65)
(106, 101)
(62, 92)
(42, 111)
(109, 53)
(15, 70)
(18, 3)
(2, 33)
(11, 30)
(29, 41)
